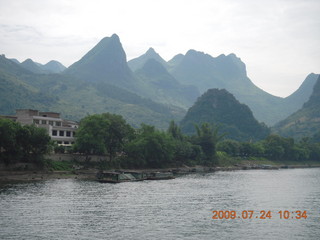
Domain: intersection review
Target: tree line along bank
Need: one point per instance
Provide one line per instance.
(147, 147)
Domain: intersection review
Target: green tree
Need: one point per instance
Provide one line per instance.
(102, 134)
(175, 131)
(185, 152)
(22, 143)
(281, 148)
(316, 137)
(151, 148)
(118, 133)
(275, 147)
(8, 140)
(34, 142)
(315, 152)
(91, 135)
(207, 138)
(251, 149)
(230, 147)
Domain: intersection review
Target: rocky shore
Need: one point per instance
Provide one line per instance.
(90, 174)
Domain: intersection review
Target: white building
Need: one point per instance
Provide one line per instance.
(60, 130)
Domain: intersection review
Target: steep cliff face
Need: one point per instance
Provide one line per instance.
(229, 72)
(306, 121)
(163, 87)
(139, 62)
(106, 62)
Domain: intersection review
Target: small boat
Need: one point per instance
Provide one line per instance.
(139, 176)
(160, 176)
(268, 167)
(115, 177)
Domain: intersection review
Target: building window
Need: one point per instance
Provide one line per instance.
(43, 122)
(59, 142)
(66, 142)
(58, 124)
(68, 134)
(51, 123)
(35, 121)
(61, 133)
(74, 134)
(54, 133)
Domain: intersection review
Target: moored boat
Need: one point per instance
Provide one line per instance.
(138, 175)
(115, 177)
(160, 176)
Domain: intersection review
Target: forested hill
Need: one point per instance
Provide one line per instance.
(219, 107)
(105, 63)
(139, 62)
(306, 121)
(76, 98)
(228, 71)
(50, 67)
(16, 93)
(155, 92)
(163, 87)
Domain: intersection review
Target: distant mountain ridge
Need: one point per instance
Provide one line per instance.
(139, 62)
(32, 66)
(303, 93)
(102, 80)
(165, 88)
(75, 98)
(50, 67)
(106, 62)
(16, 93)
(229, 72)
(54, 67)
(304, 122)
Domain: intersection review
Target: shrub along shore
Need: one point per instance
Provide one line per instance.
(120, 146)
(72, 170)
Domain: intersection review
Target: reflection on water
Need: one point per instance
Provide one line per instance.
(172, 209)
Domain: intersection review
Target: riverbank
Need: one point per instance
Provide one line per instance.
(90, 174)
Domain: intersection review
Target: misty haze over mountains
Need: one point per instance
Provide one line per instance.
(145, 89)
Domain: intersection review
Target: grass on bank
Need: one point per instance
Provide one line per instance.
(59, 165)
(224, 160)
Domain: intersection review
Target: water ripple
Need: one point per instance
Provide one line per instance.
(174, 209)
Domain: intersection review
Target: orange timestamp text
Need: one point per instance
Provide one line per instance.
(263, 214)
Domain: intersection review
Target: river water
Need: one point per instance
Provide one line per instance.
(170, 209)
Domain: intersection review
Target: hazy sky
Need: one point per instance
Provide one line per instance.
(278, 40)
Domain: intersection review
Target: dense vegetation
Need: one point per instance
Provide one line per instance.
(22, 143)
(148, 147)
(274, 147)
(75, 98)
(221, 108)
(103, 134)
(102, 82)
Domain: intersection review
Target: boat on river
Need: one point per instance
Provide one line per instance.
(131, 176)
(115, 177)
(160, 176)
